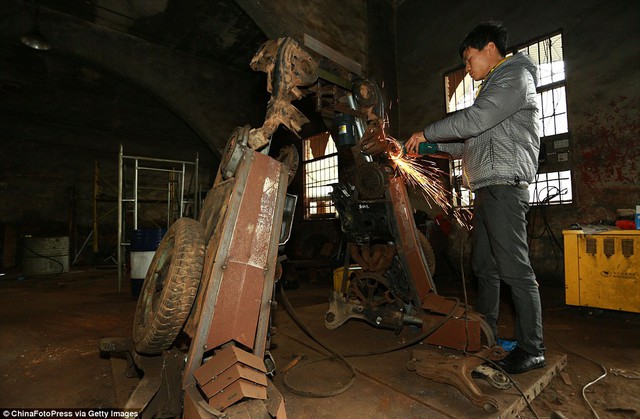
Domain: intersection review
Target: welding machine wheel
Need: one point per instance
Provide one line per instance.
(169, 288)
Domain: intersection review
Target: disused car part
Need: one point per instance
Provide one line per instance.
(395, 286)
(287, 66)
(375, 213)
(216, 364)
(457, 371)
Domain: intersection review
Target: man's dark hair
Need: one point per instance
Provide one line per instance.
(484, 33)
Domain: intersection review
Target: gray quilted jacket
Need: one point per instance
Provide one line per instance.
(500, 130)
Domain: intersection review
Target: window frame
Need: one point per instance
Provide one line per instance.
(327, 210)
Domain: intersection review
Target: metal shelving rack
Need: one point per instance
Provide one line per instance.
(177, 197)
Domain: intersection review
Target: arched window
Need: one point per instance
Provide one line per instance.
(320, 166)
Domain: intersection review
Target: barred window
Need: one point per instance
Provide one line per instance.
(320, 166)
(552, 184)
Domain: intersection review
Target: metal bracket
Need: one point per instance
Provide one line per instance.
(456, 371)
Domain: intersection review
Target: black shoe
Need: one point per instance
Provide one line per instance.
(519, 361)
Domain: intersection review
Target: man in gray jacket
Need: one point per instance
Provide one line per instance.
(497, 139)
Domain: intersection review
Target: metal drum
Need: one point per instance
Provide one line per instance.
(45, 255)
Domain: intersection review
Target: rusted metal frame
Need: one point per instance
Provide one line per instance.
(411, 254)
(265, 308)
(148, 386)
(454, 332)
(211, 274)
(231, 375)
(244, 273)
(457, 372)
(407, 244)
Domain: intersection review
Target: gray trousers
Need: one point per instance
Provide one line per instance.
(501, 252)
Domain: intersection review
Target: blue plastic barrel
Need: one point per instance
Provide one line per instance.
(145, 240)
(144, 243)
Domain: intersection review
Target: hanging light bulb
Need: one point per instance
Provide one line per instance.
(34, 39)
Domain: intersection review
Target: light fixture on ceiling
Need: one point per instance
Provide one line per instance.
(34, 39)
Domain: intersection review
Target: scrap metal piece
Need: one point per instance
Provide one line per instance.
(373, 258)
(496, 378)
(233, 151)
(288, 66)
(290, 158)
(231, 375)
(370, 180)
(457, 372)
(234, 302)
(368, 299)
(373, 142)
(158, 393)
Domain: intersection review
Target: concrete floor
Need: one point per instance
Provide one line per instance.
(51, 327)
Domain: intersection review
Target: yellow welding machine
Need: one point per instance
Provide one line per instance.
(602, 268)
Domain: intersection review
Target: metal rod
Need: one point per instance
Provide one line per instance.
(120, 176)
(82, 248)
(169, 184)
(96, 182)
(180, 212)
(158, 169)
(154, 159)
(135, 196)
(196, 189)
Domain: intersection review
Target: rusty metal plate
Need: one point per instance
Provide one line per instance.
(224, 359)
(244, 269)
(455, 333)
(237, 391)
(228, 366)
(409, 248)
(231, 375)
(457, 371)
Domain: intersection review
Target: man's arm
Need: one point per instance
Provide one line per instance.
(454, 150)
(496, 102)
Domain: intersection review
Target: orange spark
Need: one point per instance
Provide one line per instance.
(426, 176)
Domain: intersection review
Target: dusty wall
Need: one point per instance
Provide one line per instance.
(339, 24)
(71, 106)
(600, 42)
(58, 123)
(98, 88)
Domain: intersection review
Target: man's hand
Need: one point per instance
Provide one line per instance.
(417, 145)
(412, 143)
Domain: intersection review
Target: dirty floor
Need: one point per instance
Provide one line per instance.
(50, 327)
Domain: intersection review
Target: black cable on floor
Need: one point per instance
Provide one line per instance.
(342, 357)
(300, 323)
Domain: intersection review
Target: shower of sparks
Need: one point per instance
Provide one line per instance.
(426, 176)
